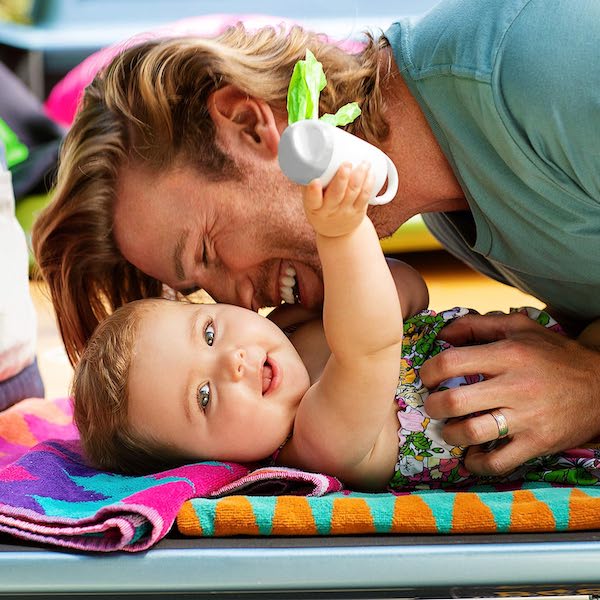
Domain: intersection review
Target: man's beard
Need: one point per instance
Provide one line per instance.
(290, 236)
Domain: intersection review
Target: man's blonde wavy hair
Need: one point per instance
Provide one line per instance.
(149, 106)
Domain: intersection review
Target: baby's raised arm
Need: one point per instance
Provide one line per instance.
(341, 419)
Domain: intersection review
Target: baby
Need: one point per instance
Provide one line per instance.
(165, 382)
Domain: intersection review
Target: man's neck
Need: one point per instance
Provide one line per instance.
(427, 182)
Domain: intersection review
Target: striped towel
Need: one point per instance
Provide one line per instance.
(48, 494)
(528, 507)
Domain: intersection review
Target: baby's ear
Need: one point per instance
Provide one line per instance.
(243, 120)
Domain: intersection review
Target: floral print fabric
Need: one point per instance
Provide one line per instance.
(425, 460)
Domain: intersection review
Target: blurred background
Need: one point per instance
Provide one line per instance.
(52, 48)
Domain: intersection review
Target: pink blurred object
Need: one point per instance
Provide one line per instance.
(63, 100)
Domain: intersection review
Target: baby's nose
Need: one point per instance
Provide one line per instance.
(237, 363)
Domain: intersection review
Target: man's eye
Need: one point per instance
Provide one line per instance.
(209, 333)
(203, 396)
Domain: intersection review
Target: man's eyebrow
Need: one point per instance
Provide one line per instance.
(177, 253)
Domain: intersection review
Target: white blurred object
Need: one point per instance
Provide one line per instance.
(312, 149)
(18, 321)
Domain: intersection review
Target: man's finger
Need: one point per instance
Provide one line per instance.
(463, 400)
(463, 361)
(473, 329)
(503, 459)
(475, 430)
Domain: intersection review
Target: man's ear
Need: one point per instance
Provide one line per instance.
(244, 121)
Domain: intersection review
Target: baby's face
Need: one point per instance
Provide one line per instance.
(214, 381)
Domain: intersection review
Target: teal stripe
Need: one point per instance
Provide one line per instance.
(593, 491)
(141, 532)
(557, 500)
(382, 509)
(205, 509)
(442, 507)
(322, 511)
(264, 510)
(500, 505)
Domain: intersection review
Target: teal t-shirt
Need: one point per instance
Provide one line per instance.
(511, 90)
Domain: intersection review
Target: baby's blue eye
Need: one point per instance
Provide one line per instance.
(209, 333)
(203, 396)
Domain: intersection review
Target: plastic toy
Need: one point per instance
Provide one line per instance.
(314, 148)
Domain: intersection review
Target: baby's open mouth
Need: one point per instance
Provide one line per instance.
(288, 286)
(267, 377)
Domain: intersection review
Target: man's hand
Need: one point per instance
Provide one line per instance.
(341, 208)
(546, 385)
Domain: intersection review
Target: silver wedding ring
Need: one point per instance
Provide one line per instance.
(501, 422)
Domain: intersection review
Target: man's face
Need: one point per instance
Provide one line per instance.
(236, 240)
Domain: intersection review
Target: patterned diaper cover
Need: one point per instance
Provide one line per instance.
(425, 460)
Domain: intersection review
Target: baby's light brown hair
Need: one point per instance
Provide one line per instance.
(100, 392)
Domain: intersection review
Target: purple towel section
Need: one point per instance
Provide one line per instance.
(51, 496)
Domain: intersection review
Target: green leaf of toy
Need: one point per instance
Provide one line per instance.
(16, 151)
(343, 116)
(296, 99)
(315, 82)
(308, 79)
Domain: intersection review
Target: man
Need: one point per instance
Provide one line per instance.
(489, 111)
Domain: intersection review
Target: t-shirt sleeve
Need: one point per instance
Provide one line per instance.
(547, 78)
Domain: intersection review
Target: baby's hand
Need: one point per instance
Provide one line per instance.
(343, 205)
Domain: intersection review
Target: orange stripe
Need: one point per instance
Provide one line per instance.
(234, 516)
(412, 515)
(530, 514)
(584, 510)
(351, 515)
(187, 520)
(471, 514)
(293, 516)
(14, 429)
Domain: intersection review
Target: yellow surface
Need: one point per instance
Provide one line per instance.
(413, 236)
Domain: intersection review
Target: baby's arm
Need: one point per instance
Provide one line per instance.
(411, 287)
(340, 419)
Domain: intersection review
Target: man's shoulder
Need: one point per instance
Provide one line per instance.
(550, 53)
(456, 37)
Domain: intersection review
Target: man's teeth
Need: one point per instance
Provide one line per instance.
(287, 286)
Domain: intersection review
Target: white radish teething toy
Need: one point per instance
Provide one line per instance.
(312, 148)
